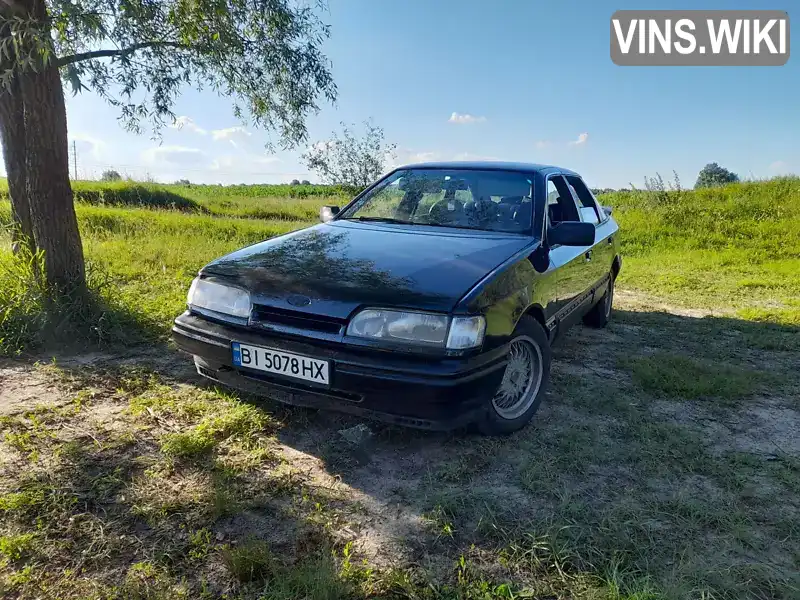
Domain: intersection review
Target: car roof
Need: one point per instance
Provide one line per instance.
(489, 165)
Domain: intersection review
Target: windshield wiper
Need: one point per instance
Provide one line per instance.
(381, 220)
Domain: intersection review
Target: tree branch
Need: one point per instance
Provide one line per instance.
(73, 58)
(16, 7)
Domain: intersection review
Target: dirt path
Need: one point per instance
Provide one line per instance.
(686, 489)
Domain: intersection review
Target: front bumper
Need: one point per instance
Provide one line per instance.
(423, 392)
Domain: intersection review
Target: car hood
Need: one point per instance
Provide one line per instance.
(343, 265)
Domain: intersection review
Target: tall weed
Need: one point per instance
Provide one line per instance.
(31, 318)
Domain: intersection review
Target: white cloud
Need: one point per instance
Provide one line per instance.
(471, 156)
(405, 156)
(231, 134)
(234, 135)
(465, 118)
(542, 144)
(188, 124)
(266, 160)
(245, 164)
(420, 157)
(87, 145)
(180, 156)
(582, 139)
(779, 166)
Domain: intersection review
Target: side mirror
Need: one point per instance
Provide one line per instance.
(607, 210)
(571, 233)
(326, 213)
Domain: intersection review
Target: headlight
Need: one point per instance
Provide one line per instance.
(424, 329)
(466, 332)
(210, 295)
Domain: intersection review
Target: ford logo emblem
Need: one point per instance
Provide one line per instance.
(298, 300)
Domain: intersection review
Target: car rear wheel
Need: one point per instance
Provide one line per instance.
(520, 393)
(600, 313)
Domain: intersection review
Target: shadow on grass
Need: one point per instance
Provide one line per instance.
(130, 524)
(35, 320)
(35, 325)
(139, 197)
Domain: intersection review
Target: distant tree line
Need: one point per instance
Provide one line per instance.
(712, 175)
(111, 175)
(355, 163)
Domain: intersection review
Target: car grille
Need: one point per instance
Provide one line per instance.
(265, 316)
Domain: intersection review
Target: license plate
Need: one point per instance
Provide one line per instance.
(281, 363)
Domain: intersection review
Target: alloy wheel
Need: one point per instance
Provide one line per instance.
(521, 380)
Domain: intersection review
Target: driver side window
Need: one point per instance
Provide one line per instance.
(560, 204)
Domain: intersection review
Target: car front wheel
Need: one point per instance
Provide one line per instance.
(523, 386)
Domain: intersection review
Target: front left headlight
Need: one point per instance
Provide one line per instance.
(424, 329)
(220, 298)
(466, 332)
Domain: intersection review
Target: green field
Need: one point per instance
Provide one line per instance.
(724, 249)
(665, 462)
(734, 250)
(144, 242)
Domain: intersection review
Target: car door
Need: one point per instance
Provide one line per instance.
(601, 255)
(574, 271)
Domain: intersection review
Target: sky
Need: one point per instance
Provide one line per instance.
(518, 80)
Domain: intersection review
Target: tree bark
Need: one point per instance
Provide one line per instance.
(55, 225)
(12, 133)
(12, 137)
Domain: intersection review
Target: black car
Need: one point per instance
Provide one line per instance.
(431, 300)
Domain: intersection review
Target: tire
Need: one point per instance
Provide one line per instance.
(600, 313)
(502, 415)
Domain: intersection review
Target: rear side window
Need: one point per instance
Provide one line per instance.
(586, 202)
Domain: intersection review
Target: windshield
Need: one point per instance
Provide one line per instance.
(464, 198)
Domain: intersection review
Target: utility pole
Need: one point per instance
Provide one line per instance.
(74, 161)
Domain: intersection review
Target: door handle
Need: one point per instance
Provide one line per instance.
(588, 256)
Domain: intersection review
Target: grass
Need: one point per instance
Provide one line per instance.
(250, 561)
(675, 375)
(271, 202)
(662, 465)
(12, 547)
(139, 266)
(600, 499)
(736, 247)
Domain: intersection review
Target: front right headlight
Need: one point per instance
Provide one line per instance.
(219, 298)
(425, 329)
(418, 328)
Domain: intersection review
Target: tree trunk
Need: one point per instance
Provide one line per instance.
(12, 133)
(55, 225)
(12, 137)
